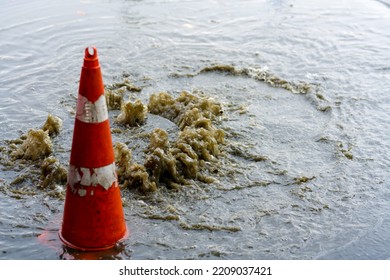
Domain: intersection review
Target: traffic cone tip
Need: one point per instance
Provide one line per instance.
(91, 52)
(91, 60)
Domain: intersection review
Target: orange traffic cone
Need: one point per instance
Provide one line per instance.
(93, 215)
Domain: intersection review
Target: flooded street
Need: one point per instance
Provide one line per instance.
(303, 86)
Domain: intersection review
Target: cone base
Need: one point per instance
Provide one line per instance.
(95, 220)
(91, 249)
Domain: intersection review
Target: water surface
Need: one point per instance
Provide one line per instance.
(322, 188)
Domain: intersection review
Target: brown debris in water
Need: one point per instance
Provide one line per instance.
(30, 156)
(139, 177)
(123, 159)
(130, 174)
(115, 93)
(243, 151)
(209, 227)
(303, 179)
(164, 105)
(132, 114)
(162, 165)
(160, 162)
(52, 172)
(347, 154)
(198, 140)
(173, 163)
(127, 85)
(37, 145)
(187, 160)
(346, 151)
(204, 142)
(260, 74)
(219, 67)
(114, 98)
(158, 139)
(52, 125)
(184, 110)
(167, 163)
(207, 106)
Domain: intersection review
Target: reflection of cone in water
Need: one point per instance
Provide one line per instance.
(93, 214)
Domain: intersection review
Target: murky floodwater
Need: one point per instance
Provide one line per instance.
(303, 174)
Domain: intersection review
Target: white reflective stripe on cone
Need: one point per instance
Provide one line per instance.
(104, 176)
(91, 112)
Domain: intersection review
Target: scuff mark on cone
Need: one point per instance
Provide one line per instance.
(91, 112)
(104, 176)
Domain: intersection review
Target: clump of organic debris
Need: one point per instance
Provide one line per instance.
(163, 104)
(173, 163)
(52, 125)
(129, 86)
(31, 156)
(36, 145)
(184, 110)
(194, 116)
(52, 172)
(115, 93)
(204, 142)
(132, 113)
(138, 176)
(123, 159)
(131, 174)
(160, 161)
(114, 98)
(158, 139)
